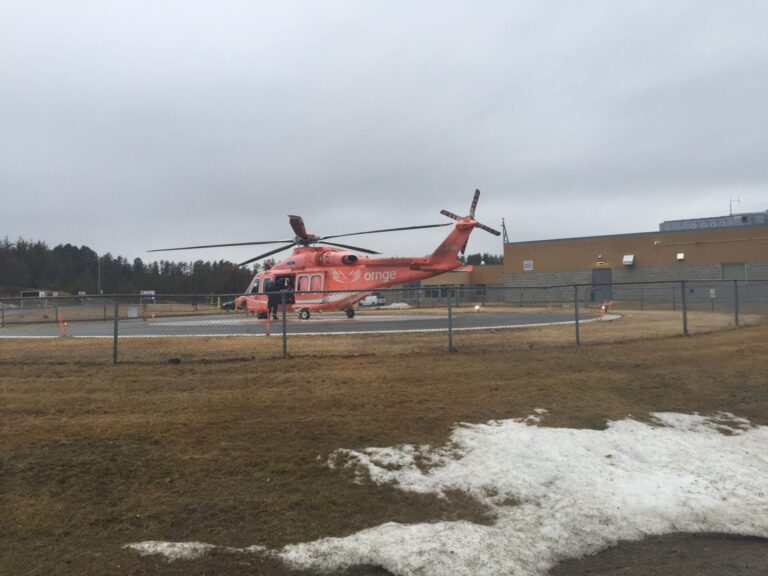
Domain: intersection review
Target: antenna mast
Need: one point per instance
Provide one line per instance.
(730, 204)
(504, 236)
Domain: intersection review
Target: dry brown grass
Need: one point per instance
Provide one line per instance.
(233, 453)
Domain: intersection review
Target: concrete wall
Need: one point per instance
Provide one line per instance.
(755, 271)
(703, 284)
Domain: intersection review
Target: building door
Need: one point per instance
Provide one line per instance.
(601, 285)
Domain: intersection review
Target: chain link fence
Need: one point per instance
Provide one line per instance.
(209, 327)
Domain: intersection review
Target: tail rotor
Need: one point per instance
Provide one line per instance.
(471, 216)
(475, 198)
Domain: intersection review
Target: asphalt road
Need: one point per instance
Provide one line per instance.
(233, 324)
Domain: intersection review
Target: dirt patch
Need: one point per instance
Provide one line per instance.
(234, 453)
(679, 554)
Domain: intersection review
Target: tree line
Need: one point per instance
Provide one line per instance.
(66, 268)
(484, 258)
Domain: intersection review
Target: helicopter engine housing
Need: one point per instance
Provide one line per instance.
(337, 259)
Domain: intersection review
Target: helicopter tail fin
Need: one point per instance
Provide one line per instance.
(446, 255)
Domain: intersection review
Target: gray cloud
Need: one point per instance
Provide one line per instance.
(128, 126)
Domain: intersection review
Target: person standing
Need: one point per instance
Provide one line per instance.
(273, 298)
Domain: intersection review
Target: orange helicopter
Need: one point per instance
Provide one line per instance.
(320, 278)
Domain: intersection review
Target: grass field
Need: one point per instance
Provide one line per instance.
(234, 452)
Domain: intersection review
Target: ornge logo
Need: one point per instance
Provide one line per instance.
(384, 276)
(341, 278)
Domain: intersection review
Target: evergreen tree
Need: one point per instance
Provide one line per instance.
(66, 268)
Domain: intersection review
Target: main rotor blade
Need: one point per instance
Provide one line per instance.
(297, 223)
(474, 204)
(350, 247)
(385, 230)
(218, 245)
(275, 251)
(487, 229)
(450, 215)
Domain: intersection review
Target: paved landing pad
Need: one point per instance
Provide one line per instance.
(329, 323)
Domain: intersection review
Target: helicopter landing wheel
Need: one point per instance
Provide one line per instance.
(304, 314)
(350, 313)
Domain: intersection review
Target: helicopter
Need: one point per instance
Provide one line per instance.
(332, 278)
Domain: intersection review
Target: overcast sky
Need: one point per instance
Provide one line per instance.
(133, 125)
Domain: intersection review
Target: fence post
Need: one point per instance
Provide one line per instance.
(105, 312)
(450, 320)
(284, 296)
(674, 299)
(2, 316)
(736, 301)
(114, 339)
(642, 301)
(576, 312)
(685, 308)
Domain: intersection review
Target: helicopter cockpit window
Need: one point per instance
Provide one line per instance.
(255, 287)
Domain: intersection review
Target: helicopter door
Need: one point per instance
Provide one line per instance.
(287, 282)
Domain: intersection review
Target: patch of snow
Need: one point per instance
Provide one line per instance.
(187, 550)
(578, 492)
(172, 550)
(557, 493)
(397, 305)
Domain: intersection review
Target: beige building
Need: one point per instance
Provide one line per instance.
(482, 275)
(733, 247)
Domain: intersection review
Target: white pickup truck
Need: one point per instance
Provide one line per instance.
(372, 300)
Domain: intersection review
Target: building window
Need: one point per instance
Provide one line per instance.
(440, 291)
(734, 271)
